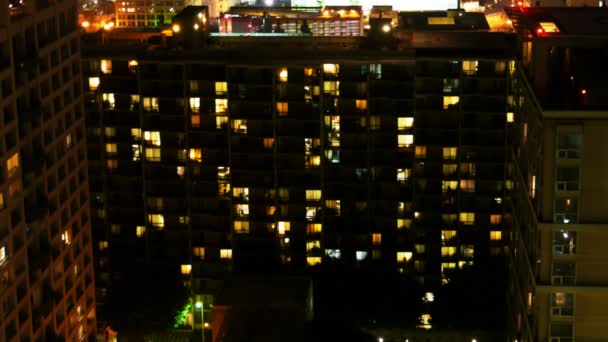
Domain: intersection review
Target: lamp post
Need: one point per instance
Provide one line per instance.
(199, 305)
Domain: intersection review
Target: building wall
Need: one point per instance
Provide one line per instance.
(46, 265)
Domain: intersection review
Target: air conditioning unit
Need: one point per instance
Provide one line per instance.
(557, 280)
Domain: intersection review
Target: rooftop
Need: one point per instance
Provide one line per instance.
(574, 21)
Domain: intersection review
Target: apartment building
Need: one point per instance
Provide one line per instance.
(563, 50)
(149, 13)
(46, 264)
(293, 152)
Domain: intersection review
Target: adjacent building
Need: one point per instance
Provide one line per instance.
(46, 262)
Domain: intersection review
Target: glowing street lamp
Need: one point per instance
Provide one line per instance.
(199, 305)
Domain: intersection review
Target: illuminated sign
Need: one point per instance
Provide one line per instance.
(398, 5)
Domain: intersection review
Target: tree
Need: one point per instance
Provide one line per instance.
(304, 28)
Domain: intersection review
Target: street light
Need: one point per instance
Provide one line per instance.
(199, 305)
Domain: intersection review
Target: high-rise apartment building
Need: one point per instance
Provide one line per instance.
(388, 152)
(563, 52)
(46, 264)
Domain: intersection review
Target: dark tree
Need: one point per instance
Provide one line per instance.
(304, 28)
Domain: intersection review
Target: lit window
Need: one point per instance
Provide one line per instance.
(184, 220)
(108, 100)
(112, 164)
(549, 27)
(195, 104)
(532, 186)
(469, 68)
(313, 261)
(268, 143)
(448, 251)
(510, 117)
(186, 269)
(151, 104)
(181, 171)
(311, 213)
(562, 304)
(467, 185)
(403, 175)
(221, 88)
(282, 108)
(93, 83)
(153, 154)
(450, 153)
(110, 132)
(361, 104)
(313, 195)
(420, 249)
(221, 106)
(195, 121)
(467, 169)
(449, 169)
(241, 227)
(450, 185)
(374, 122)
(283, 194)
(66, 237)
(564, 242)
(440, 20)
(284, 227)
(196, 154)
(467, 251)
(331, 87)
(447, 266)
(376, 239)
(199, 252)
(152, 137)
(495, 219)
(103, 245)
(156, 220)
(136, 134)
(1, 201)
(330, 69)
(333, 206)
(140, 231)
(3, 255)
(405, 140)
(312, 228)
(313, 245)
(495, 235)
(106, 66)
(451, 102)
(467, 218)
(500, 67)
(221, 121)
(12, 164)
(360, 255)
(283, 74)
(134, 102)
(133, 66)
(420, 151)
(312, 161)
(111, 148)
(404, 223)
(405, 123)
(404, 256)
(333, 253)
(242, 193)
(68, 140)
(308, 72)
(226, 253)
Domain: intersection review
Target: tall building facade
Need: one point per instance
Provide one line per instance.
(298, 152)
(46, 264)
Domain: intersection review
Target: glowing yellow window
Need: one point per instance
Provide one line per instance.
(313, 195)
(134, 100)
(221, 121)
(448, 251)
(420, 152)
(469, 68)
(156, 220)
(66, 237)
(111, 148)
(376, 239)
(449, 185)
(151, 104)
(186, 269)
(221, 106)
(133, 65)
(449, 169)
(331, 87)
(451, 102)
(196, 154)
(103, 245)
(405, 140)
(403, 175)
(241, 210)
(467, 251)
(106, 66)
(153, 154)
(93, 83)
(467, 218)
(312, 261)
(549, 27)
(510, 117)
(221, 88)
(404, 223)
(108, 100)
(12, 164)
(450, 153)
(195, 104)
(283, 74)
(312, 161)
(112, 164)
(282, 108)
(241, 227)
(495, 219)
(195, 121)
(405, 123)
(404, 256)
(199, 252)
(226, 253)
(312, 228)
(284, 227)
(136, 134)
(447, 266)
(331, 69)
(308, 72)
(495, 235)
(242, 193)
(140, 231)
(268, 143)
(152, 137)
(467, 185)
(110, 132)
(511, 68)
(361, 104)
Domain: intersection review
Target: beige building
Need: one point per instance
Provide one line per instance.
(46, 263)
